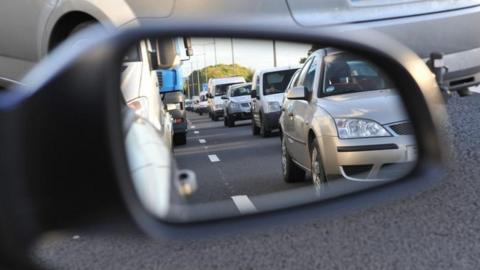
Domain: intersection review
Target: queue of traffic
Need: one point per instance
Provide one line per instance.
(338, 116)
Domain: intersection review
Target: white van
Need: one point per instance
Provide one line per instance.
(139, 86)
(268, 89)
(216, 89)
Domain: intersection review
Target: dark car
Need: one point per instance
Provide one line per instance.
(175, 104)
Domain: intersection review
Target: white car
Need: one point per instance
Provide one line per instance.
(34, 28)
(267, 96)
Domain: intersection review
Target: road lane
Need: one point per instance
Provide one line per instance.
(231, 162)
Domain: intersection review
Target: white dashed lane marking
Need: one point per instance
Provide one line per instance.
(202, 141)
(475, 89)
(213, 158)
(193, 127)
(196, 132)
(244, 204)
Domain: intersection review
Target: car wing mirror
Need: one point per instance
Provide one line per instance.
(297, 93)
(253, 93)
(83, 109)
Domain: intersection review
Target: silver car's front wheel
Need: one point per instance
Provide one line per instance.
(291, 172)
(284, 157)
(318, 173)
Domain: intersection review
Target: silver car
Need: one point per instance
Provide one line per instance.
(342, 118)
(237, 104)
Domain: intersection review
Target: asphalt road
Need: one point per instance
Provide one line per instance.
(436, 229)
(231, 161)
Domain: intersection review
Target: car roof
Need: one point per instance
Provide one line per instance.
(272, 69)
(328, 51)
(226, 80)
(239, 85)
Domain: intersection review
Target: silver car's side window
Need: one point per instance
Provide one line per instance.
(294, 80)
(310, 75)
(302, 73)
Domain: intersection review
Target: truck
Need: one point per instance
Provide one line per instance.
(170, 82)
(171, 90)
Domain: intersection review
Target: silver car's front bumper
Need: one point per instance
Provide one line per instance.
(371, 159)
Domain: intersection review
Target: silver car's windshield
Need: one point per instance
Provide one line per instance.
(345, 73)
(241, 91)
(221, 89)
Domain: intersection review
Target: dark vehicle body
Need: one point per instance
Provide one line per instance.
(175, 103)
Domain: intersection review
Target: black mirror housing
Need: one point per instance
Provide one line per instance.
(253, 93)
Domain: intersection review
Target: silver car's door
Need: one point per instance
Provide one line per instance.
(301, 113)
(227, 101)
(288, 123)
(22, 23)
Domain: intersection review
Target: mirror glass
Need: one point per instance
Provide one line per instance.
(200, 147)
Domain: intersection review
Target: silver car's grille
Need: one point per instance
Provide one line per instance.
(403, 128)
(246, 105)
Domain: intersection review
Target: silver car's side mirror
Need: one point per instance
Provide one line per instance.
(296, 93)
(370, 140)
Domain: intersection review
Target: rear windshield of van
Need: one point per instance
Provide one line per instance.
(276, 82)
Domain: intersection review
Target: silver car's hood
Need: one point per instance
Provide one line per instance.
(241, 99)
(382, 106)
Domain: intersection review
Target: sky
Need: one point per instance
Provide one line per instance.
(250, 53)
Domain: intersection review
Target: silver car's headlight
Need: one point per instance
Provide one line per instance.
(273, 106)
(349, 128)
(219, 106)
(234, 105)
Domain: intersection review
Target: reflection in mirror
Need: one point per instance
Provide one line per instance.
(257, 125)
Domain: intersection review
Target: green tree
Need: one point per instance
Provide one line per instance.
(199, 77)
